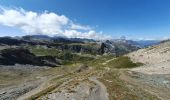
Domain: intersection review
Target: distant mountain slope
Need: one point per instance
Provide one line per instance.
(143, 43)
(56, 39)
(10, 41)
(14, 56)
(76, 45)
(43, 50)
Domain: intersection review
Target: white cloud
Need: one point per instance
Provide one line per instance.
(89, 34)
(47, 23)
(80, 27)
(32, 22)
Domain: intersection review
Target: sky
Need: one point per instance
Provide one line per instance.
(98, 19)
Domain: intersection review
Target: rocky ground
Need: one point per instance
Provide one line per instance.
(98, 79)
(78, 83)
(18, 80)
(83, 83)
(155, 58)
(80, 86)
(154, 75)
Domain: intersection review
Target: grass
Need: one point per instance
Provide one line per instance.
(13, 76)
(123, 62)
(40, 51)
(52, 85)
(45, 91)
(120, 90)
(71, 58)
(55, 82)
(94, 49)
(100, 60)
(67, 57)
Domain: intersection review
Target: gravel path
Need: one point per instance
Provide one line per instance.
(12, 93)
(108, 61)
(100, 93)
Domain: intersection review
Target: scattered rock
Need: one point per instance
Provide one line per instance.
(81, 68)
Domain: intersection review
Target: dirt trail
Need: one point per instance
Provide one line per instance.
(108, 61)
(14, 92)
(101, 91)
(153, 84)
(40, 88)
(81, 86)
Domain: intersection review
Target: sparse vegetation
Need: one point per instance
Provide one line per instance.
(67, 57)
(120, 90)
(40, 51)
(123, 62)
(79, 64)
(72, 58)
(100, 60)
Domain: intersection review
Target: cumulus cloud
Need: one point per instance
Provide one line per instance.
(80, 27)
(89, 34)
(32, 22)
(47, 23)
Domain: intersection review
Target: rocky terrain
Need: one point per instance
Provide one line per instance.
(156, 59)
(48, 68)
(156, 69)
(54, 51)
(12, 56)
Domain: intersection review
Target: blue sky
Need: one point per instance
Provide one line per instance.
(136, 19)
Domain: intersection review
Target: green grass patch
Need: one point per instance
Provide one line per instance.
(72, 58)
(123, 62)
(67, 57)
(40, 51)
(98, 62)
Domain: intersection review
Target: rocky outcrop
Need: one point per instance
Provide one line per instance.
(10, 41)
(81, 68)
(116, 48)
(87, 46)
(12, 56)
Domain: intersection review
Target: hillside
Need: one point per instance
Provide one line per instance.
(156, 59)
(53, 51)
(154, 75)
(38, 68)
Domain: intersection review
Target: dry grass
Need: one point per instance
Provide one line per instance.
(120, 90)
(123, 62)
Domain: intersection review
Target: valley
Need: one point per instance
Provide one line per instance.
(37, 69)
(84, 49)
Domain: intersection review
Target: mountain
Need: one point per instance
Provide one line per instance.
(12, 56)
(38, 67)
(74, 44)
(56, 38)
(10, 41)
(65, 49)
(143, 43)
(165, 41)
(117, 47)
(61, 48)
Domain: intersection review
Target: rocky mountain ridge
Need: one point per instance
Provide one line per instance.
(33, 48)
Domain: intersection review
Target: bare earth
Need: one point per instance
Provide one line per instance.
(156, 59)
(151, 80)
(154, 75)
